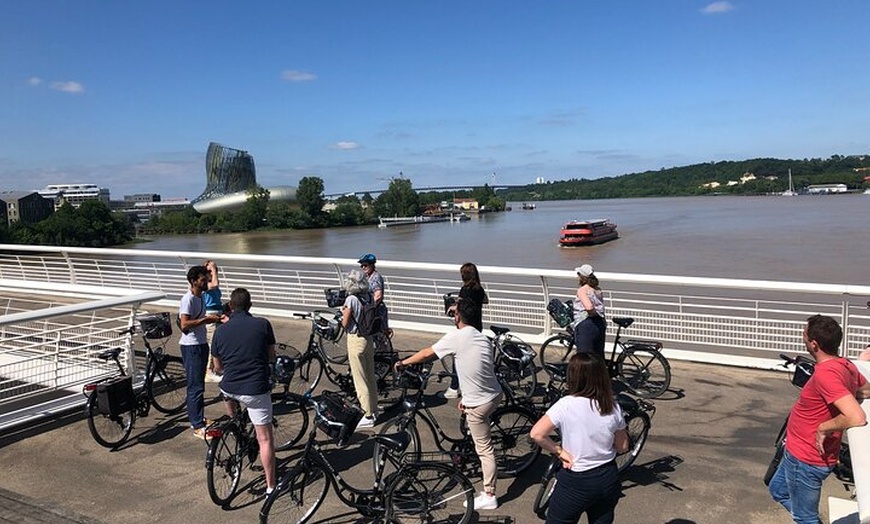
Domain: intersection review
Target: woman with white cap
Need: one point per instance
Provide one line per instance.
(589, 323)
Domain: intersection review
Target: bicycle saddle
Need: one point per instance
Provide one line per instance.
(394, 441)
(499, 330)
(623, 321)
(109, 354)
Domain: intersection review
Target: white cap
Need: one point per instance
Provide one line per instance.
(584, 271)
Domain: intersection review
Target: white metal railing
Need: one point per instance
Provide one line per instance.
(48, 353)
(744, 322)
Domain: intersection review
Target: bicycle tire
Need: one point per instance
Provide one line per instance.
(334, 350)
(108, 431)
(223, 465)
(166, 384)
(429, 493)
(556, 350)
(637, 425)
(515, 451)
(390, 392)
(307, 375)
(398, 425)
(298, 496)
(545, 490)
(646, 372)
(289, 420)
(521, 383)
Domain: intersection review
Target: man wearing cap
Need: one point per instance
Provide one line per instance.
(589, 324)
(376, 285)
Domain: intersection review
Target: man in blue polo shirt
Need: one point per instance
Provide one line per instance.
(244, 351)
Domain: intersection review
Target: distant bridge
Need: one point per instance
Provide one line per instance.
(429, 189)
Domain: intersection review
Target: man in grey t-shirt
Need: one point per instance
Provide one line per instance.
(481, 392)
(194, 346)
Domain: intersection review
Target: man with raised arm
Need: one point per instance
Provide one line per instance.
(244, 351)
(481, 392)
(826, 406)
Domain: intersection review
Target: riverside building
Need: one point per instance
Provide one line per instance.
(75, 194)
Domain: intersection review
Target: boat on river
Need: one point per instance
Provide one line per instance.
(587, 232)
(528, 207)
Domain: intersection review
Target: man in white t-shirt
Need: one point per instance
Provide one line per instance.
(481, 392)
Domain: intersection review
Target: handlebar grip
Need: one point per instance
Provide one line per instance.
(786, 358)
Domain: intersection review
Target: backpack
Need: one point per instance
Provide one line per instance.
(561, 312)
(369, 321)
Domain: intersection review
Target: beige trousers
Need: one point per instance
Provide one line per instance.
(479, 427)
(361, 358)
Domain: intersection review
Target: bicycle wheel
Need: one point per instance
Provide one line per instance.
(644, 371)
(412, 452)
(556, 350)
(335, 350)
(515, 451)
(429, 493)
(289, 420)
(522, 383)
(166, 384)
(637, 424)
(307, 375)
(109, 431)
(545, 491)
(298, 496)
(390, 393)
(223, 465)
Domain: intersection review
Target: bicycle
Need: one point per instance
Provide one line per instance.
(114, 403)
(233, 440)
(638, 415)
(314, 363)
(639, 364)
(415, 491)
(510, 425)
(514, 366)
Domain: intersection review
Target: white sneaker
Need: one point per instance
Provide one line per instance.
(484, 501)
(366, 422)
(452, 393)
(211, 376)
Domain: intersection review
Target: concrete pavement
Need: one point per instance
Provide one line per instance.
(709, 447)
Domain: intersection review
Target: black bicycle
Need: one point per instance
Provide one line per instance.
(414, 492)
(639, 364)
(514, 365)
(233, 442)
(315, 362)
(114, 403)
(514, 449)
(638, 415)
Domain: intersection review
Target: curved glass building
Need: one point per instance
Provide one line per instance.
(230, 173)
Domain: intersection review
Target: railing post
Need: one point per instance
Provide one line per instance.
(844, 323)
(545, 289)
(129, 347)
(71, 268)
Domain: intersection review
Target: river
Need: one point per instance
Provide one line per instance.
(799, 239)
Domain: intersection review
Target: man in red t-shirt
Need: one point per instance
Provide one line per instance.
(827, 405)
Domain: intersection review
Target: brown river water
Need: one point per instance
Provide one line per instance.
(799, 239)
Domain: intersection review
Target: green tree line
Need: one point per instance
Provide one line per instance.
(92, 224)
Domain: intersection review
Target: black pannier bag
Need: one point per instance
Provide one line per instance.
(115, 397)
(343, 415)
(517, 354)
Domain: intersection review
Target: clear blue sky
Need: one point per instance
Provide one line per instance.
(128, 95)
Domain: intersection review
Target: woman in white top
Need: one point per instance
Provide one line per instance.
(593, 431)
(589, 324)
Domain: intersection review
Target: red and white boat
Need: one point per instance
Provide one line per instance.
(587, 232)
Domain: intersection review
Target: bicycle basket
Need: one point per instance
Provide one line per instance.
(338, 418)
(561, 312)
(516, 353)
(803, 370)
(116, 396)
(156, 325)
(326, 325)
(283, 369)
(335, 297)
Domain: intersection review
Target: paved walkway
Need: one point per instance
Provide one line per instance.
(711, 441)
